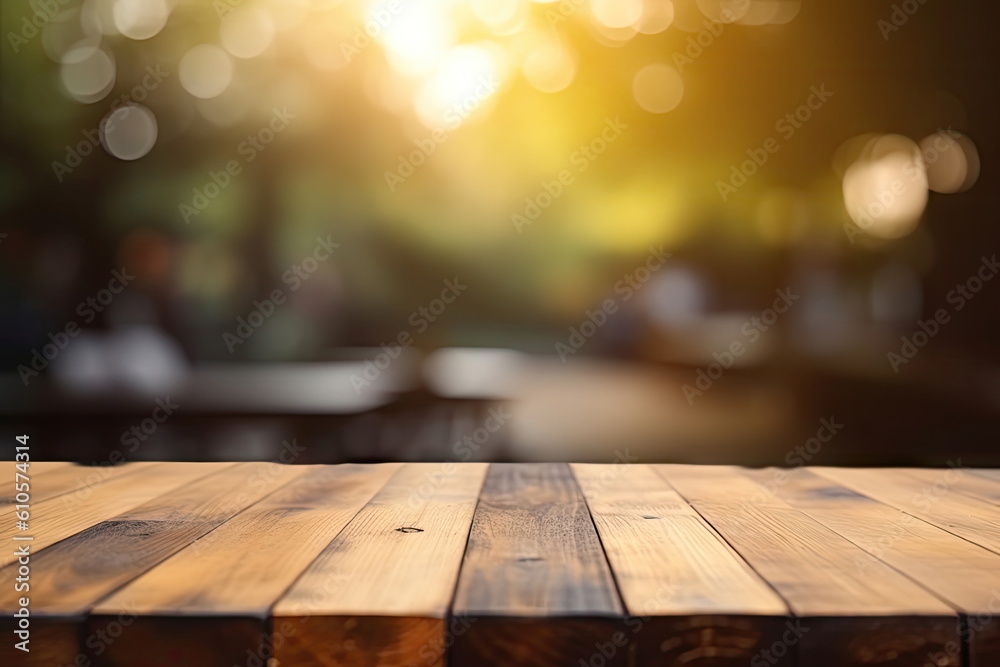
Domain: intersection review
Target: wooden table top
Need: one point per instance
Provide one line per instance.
(481, 565)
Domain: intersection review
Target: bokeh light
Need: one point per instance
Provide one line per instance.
(416, 37)
(62, 32)
(246, 33)
(770, 12)
(98, 18)
(658, 88)
(617, 13)
(205, 71)
(140, 19)
(502, 17)
(725, 11)
(467, 77)
(88, 72)
(657, 15)
(549, 67)
(952, 161)
(129, 132)
(885, 190)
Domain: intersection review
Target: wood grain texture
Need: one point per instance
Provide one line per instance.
(259, 565)
(936, 502)
(535, 586)
(57, 518)
(38, 467)
(988, 473)
(69, 577)
(969, 484)
(690, 595)
(210, 602)
(378, 594)
(846, 619)
(52, 482)
(8, 467)
(964, 574)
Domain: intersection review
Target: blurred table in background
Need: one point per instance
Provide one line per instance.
(499, 405)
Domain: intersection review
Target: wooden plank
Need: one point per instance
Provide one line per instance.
(535, 587)
(968, 484)
(210, 601)
(935, 502)
(35, 468)
(988, 473)
(59, 518)
(47, 466)
(378, 594)
(65, 479)
(70, 576)
(848, 619)
(962, 573)
(691, 597)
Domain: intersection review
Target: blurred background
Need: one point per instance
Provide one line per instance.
(743, 231)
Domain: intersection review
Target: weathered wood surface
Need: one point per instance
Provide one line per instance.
(845, 617)
(379, 593)
(689, 593)
(481, 565)
(251, 561)
(958, 571)
(533, 554)
(937, 501)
